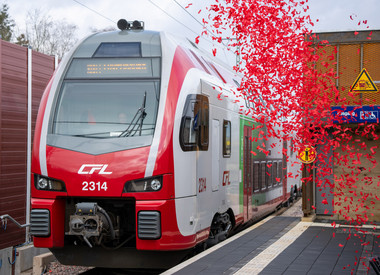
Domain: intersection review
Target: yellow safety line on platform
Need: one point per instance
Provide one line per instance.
(257, 264)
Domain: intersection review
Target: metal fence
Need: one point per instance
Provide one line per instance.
(24, 75)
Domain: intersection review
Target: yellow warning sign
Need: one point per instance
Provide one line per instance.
(364, 83)
(308, 154)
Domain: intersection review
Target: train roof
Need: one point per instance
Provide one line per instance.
(150, 44)
(149, 40)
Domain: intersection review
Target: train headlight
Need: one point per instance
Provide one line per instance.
(155, 184)
(42, 183)
(143, 185)
(48, 184)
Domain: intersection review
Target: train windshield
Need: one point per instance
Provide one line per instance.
(105, 108)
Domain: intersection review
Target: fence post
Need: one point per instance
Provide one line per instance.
(29, 144)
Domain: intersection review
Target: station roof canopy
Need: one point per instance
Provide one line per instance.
(351, 37)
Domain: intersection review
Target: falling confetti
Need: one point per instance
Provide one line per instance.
(290, 78)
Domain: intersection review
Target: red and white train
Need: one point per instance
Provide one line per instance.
(143, 151)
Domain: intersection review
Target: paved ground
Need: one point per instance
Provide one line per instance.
(319, 251)
(285, 245)
(295, 210)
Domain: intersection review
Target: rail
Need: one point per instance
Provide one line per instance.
(4, 221)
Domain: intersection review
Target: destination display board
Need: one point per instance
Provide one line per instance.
(114, 68)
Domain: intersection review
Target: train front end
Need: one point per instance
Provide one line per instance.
(97, 196)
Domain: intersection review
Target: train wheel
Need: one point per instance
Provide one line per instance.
(220, 228)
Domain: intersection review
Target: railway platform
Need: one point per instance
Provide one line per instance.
(287, 245)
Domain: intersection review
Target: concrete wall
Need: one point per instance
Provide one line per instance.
(24, 261)
(5, 267)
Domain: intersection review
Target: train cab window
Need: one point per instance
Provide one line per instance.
(189, 126)
(119, 49)
(103, 109)
(226, 138)
(194, 129)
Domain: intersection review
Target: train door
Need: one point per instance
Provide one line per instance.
(284, 170)
(215, 152)
(203, 160)
(247, 167)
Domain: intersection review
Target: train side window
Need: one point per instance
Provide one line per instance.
(275, 173)
(226, 138)
(269, 173)
(263, 175)
(194, 129)
(256, 176)
(280, 171)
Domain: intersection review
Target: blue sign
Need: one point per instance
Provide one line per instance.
(355, 114)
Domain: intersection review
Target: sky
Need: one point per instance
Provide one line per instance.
(332, 15)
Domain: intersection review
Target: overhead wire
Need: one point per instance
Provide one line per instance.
(168, 14)
(172, 17)
(164, 11)
(98, 13)
(203, 25)
(184, 24)
(200, 23)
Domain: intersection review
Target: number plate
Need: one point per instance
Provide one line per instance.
(94, 186)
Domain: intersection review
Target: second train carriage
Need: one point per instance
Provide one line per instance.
(142, 151)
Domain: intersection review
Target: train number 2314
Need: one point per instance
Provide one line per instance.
(94, 186)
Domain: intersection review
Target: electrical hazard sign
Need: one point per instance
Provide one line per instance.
(364, 83)
(308, 154)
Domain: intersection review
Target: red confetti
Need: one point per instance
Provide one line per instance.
(197, 40)
(297, 77)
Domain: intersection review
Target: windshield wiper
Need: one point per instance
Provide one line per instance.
(137, 121)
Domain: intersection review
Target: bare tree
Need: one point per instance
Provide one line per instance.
(38, 28)
(62, 40)
(47, 35)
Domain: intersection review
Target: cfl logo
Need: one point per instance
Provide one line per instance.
(88, 169)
